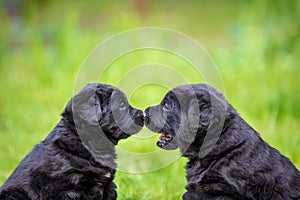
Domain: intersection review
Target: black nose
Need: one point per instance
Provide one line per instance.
(139, 118)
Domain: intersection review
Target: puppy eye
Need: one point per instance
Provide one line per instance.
(167, 106)
(122, 106)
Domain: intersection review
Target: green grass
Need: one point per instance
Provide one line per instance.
(255, 45)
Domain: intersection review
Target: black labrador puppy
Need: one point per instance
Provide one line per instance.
(76, 160)
(227, 158)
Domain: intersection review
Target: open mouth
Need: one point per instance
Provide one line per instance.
(164, 140)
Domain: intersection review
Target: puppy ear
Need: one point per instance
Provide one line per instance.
(97, 106)
(190, 123)
(193, 115)
(216, 122)
(87, 107)
(218, 113)
(87, 113)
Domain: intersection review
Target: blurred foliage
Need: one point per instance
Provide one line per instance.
(255, 44)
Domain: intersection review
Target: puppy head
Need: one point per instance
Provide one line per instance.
(102, 114)
(186, 115)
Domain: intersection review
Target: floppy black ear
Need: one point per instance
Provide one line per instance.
(87, 107)
(216, 121)
(193, 115)
(97, 106)
(218, 113)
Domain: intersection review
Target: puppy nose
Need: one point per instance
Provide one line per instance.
(139, 118)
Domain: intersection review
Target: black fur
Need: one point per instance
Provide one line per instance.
(63, 166)
(234, 163)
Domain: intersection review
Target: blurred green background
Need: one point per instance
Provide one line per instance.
(255, 45)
